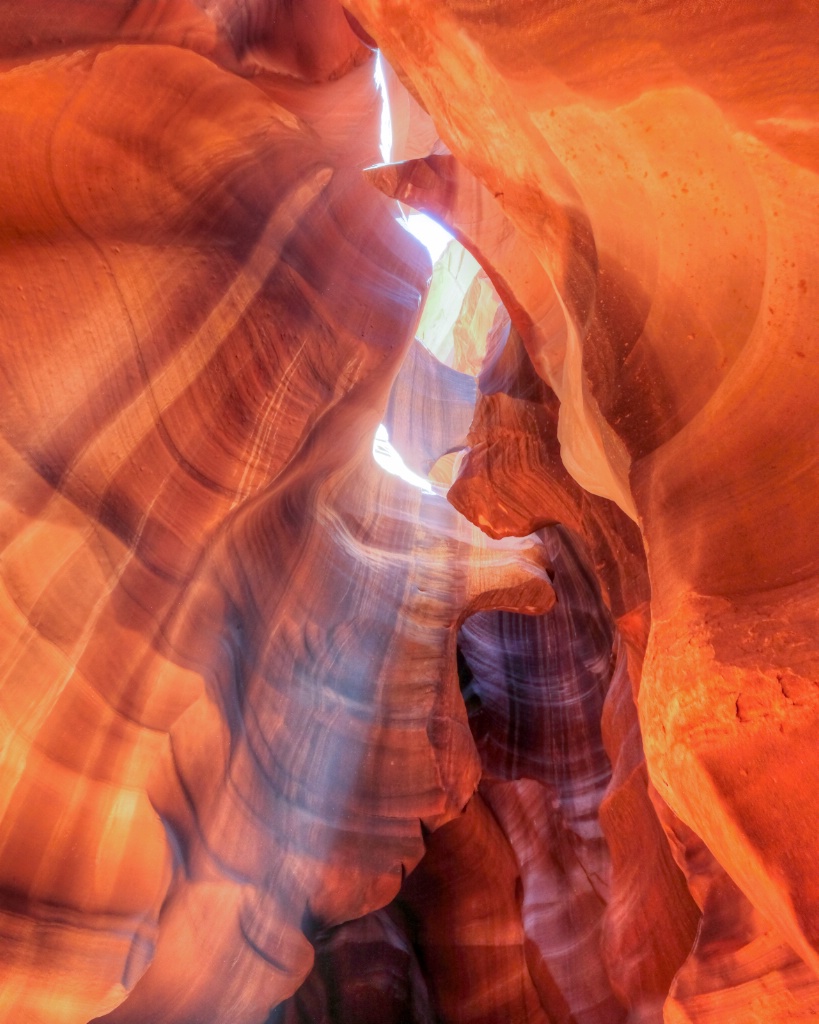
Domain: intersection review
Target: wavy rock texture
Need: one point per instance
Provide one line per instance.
(656, 167)
(535, 690)
(210, 590)
(239, 781)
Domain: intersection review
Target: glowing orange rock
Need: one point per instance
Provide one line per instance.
(658, 164)
(191, 394)
(231, 720)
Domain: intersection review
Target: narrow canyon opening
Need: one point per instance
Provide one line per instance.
(527, 855)
(365, 663)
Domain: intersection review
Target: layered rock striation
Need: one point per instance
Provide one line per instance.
(288, 739)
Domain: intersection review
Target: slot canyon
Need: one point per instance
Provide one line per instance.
(396, 637)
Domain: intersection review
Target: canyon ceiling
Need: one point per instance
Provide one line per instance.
(288, 740)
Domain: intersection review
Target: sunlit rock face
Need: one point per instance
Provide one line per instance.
(289, 739)
(654, 167)
(229, 680)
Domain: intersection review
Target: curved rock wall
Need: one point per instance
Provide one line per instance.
(239, 781)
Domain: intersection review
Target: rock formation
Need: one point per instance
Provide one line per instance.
(286, 739)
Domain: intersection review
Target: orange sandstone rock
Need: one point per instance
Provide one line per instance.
(231, 720)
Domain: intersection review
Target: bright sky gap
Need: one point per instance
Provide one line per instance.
(435, 238)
